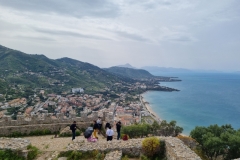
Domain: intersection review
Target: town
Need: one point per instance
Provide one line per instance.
(127, 108)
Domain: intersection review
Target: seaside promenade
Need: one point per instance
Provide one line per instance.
(147, 107)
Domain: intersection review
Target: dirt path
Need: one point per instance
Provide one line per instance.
(50, 147)
(49, 143)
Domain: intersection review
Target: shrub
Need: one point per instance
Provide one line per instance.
(67, 134)
(125, 157)
(76, 155)
(10, 155)
(32, 152)
(137, 130)
(40, 132)
(150, 146)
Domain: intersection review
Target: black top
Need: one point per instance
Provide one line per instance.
(107, 125)
(95, 126)
(118, 126)
(73, 127)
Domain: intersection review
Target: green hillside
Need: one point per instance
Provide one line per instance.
(18, 69)
(130, 72)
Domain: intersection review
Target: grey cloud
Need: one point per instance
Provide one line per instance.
(180, 38)
(81, 8)
(131, 36)
(69, 33)
(36, 38)
(147, 4)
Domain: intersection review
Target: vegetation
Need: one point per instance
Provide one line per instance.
(144, 129)
(218, 141)
(130, 72)
(38, 71)
(10, 155)
(168, 129)
(37, 132)
(153, 149)
(150, 146)
(32, 152)
(137, 130)
(13, 112)
(76, 155)
(67, 134)
(17, 155)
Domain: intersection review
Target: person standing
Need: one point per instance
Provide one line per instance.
(118, 126)
(107, 125)
(99, 122)
(95, 129)
(109, 134)
(73, 127)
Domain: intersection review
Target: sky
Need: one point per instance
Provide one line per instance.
(199, 34)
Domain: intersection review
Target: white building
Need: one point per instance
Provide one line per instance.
(77, 90)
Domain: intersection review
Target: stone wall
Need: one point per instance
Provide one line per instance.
(26, 129)
(46, 119)
(175, 148)
(25, 125)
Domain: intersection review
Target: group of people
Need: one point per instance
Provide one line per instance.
(97, 126)
(110, 131)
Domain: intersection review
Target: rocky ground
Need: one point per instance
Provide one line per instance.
(50, 147)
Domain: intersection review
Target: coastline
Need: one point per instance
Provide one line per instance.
(148, 108)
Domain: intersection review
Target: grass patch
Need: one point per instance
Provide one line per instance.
(17, 155)
(77, 155)
(32, 133)
(32, 152)
(78, 133)
(10, 155)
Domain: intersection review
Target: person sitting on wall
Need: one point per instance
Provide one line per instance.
(125, 137)
(91, 139)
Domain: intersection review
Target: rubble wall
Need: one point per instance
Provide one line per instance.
(26, 125)
(175, 148)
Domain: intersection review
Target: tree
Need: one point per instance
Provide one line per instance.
(213, 146)
(218, 141)
(169, 129)
(155, 126)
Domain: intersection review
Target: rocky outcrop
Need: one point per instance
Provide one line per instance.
(13, 143)
(177, 150)
(114, 155)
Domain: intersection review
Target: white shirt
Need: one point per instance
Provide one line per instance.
(99, 121)
(110, 132)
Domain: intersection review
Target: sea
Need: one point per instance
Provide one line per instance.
(204, 99)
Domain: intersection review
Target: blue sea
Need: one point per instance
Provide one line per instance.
(203, 99)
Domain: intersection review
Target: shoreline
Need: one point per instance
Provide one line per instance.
(148, 108)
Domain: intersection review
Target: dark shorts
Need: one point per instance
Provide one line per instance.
(109, 138)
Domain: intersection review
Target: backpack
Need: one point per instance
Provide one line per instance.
(71, 127)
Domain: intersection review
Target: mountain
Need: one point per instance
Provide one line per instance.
(130, 72)
(127, 65)
(18, 69)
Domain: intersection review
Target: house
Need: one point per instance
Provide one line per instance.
(77, 90)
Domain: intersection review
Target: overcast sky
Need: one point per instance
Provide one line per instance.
(192, 34)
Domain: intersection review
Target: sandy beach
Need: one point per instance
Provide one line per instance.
(149, 109)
